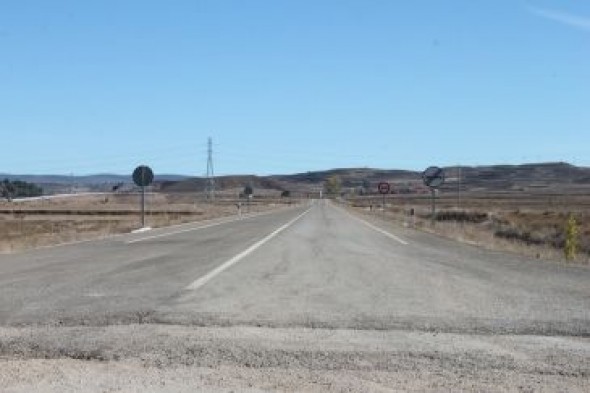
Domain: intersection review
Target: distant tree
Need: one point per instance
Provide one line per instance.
(19, 189)
(571, 238)
(117, 186)
(6, 190)
(333, 186)
(286, 194)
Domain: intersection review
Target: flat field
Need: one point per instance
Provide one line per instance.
(533, 224)
(51, 221)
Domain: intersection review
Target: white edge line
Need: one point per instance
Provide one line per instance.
(389, 235)
(373, 227)
(113, 236)
(229, 216)
(143, 239)
(212, 274)
(142, 230)
(223, 221)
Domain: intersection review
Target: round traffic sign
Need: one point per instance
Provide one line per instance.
(384, 188)
(143, 176)
(433, 177)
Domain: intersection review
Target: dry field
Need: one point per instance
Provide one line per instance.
(38, 223)
(530, 224)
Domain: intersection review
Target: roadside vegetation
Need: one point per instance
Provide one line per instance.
(333, 186)
(19, 189)
(33, 224)
(535, 227)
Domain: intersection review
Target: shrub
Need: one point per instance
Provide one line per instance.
(18, 189)
(571, 238)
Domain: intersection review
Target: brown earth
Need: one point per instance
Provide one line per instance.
(526, 223)
(33, 224)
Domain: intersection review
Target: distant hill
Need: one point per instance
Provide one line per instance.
(56, 184)
(543, 176)
(84, 180)
(237, 182)
(547, 176)
(498, 178)
(349, 177)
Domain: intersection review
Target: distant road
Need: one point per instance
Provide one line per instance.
(268, 278)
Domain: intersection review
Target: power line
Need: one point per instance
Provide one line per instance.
(210, 171)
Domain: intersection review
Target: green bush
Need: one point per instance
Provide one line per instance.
(19, 189)
(571, 238)
(333, 186)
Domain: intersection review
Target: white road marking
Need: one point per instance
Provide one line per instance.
(120, 235)
(212, 274)
(389, 235)
(240, 218)
(377, 229)
(143, 239)
(142, 230)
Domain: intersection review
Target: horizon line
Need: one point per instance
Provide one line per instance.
(165, 174)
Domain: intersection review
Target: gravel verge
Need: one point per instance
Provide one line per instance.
(168, 358)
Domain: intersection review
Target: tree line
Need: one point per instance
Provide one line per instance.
(19, 189)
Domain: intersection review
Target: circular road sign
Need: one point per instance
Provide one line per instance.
(143, 176)
(434, 177)
(384, 188)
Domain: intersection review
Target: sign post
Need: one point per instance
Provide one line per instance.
(248, 192)
(143, 207)
(433, 209)
(143, 176)
(433, 178)
(384, 189)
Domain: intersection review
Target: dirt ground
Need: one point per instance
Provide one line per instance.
(154, 358)
(46, 222)
(528, 224)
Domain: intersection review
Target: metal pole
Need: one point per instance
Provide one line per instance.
(433, 205)
(460, 181)
(143, 207)
(210, 172)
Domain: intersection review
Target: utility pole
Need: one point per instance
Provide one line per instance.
(433, 207)
(459, 185)
(210, 173)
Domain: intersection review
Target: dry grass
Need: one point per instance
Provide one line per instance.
(26, 225)
(525, 224)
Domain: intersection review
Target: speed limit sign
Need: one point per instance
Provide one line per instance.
(384, 188)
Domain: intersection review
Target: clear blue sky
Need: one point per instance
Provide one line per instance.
(291, 86)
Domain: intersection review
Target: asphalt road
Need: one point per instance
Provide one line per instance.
(317, 266)
(117, 279)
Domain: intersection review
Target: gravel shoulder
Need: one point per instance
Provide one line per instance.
(163, 358)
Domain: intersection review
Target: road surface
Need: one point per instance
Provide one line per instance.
(312, 298)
